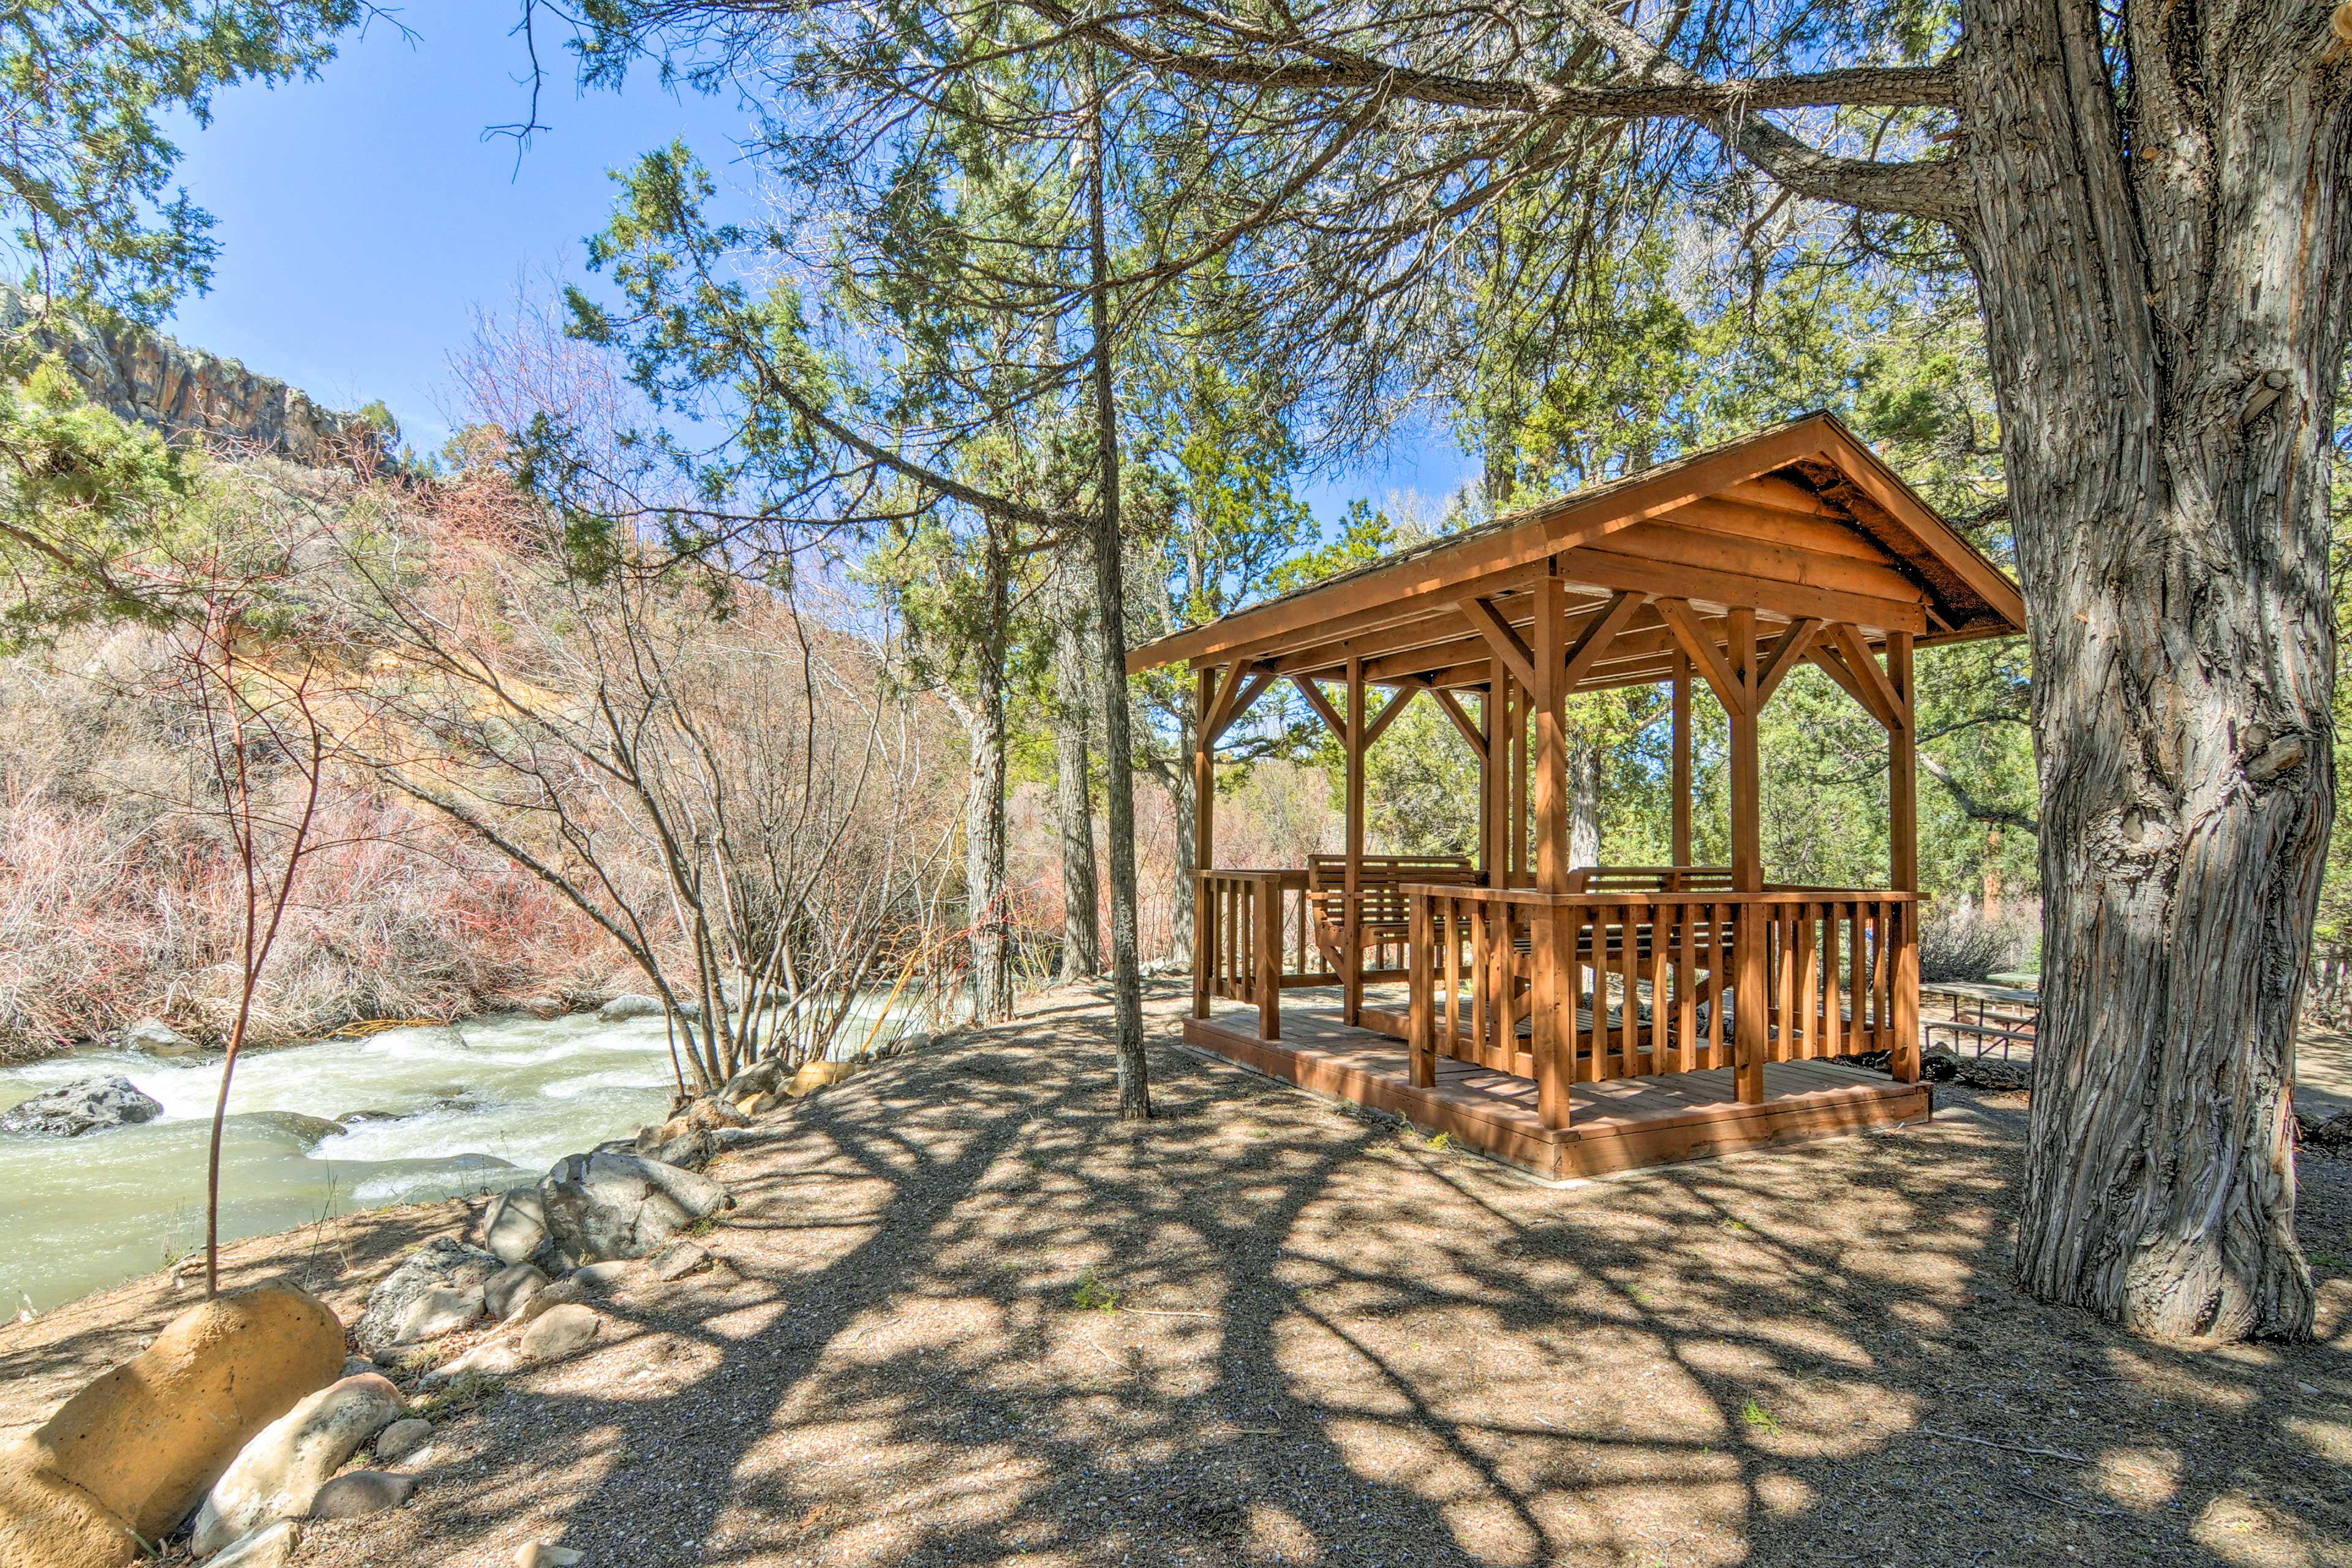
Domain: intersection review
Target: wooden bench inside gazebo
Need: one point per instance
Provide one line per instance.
(1579, 1019)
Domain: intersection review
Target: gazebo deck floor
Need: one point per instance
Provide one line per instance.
(1617, 1124)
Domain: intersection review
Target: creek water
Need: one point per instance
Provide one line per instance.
(466, 1108)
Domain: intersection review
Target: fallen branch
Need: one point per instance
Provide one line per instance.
(1989, 1443)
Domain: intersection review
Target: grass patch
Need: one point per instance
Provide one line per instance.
(1442, 1141)
(1763, 1420)
(1093, 1296)
(460, 1393)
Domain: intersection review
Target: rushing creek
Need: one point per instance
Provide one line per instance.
(450, 1109)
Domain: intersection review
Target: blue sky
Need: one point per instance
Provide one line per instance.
(362, 216)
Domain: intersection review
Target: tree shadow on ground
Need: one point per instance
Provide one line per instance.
(1333, 1342)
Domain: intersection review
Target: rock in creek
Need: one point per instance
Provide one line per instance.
(74, 1108)
(158, 1038)
(277, 1474)
(605, 1206)
(622, 1008)
(309, 1129)
(440, 1263)
(136, 1449)
(362, 1493)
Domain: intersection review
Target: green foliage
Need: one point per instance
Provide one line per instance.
(1364, 536)
(85, 167)
(1762, 1420)
(1420, 785)
(87, 500)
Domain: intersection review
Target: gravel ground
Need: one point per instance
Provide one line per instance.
(966, 1316)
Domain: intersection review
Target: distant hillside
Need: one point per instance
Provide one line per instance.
(144, 376)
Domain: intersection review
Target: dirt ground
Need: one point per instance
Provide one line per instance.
(969, 1317)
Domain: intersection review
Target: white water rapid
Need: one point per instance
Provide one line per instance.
(464, 1108)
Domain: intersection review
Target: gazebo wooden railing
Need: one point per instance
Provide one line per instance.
(1830, 967)
(1568, 987)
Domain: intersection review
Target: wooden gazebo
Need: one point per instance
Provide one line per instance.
(1573, 1019)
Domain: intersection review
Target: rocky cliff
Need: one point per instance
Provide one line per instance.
(141, 375)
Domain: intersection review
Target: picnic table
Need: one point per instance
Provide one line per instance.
(1983, 1011)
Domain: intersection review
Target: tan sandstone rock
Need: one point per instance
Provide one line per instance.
(815, 1076)
(136, 1449)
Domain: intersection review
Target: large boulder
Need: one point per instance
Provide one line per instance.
(277, 1474)
(622, 1008)
(510, 1288)
(439, 1312)
(441, 1264)
(558, 1332)
(132, 1453)
(612, 1205)
(362, 1493)
(158, 1038)
(687, 1151)
(514, 1228)
(74, 1108)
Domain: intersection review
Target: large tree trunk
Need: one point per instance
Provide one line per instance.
(983, 853)
(1110, 628)
(1179, 782)
(1074, 812)
(1584, 763)
(2166, 300)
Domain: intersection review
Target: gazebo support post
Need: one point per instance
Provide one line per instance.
(1489, 729)
(1500, 712)
(1681, 766)
(1903, 854)
(1551, 940)
(1751, 1027)
(1204, 835)
(1352, 949)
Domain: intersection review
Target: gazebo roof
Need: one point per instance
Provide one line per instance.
(1800, 522)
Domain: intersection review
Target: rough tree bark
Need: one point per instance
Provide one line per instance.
(2164, 279)
(1074, 812)
(1110, 628)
